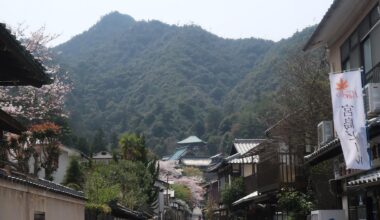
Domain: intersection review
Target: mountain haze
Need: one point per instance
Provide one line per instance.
(169, 81)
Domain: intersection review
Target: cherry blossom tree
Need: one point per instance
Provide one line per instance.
(36, 104)
(170, 170)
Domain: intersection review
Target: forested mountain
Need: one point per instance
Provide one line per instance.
(170, 81)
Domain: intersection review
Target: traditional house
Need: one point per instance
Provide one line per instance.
(66, 154)
(21, 196)
(102, 157)
(350, 31)
(230, 167)
(272, 165)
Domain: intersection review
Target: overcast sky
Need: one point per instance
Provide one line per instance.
(268, 19)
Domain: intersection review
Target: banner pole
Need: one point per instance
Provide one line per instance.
(364, 82)
(350, 70)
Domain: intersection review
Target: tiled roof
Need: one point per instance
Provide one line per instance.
(323, 149)
(102, 155)
(178, 154)
(42, 184)
(244, 145)
(197, 162)
(216, 156)
(371, 177)
(214, 167)
(36, 76)
(334, 145)
(246, 198)
(245, 160)
(191, 140)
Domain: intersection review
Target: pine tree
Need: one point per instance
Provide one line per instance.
(74, 174)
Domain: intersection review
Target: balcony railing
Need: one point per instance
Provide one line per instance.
(373, 76)
(250, 183)
(280, 170)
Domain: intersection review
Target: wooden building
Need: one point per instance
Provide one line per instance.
(350, 31)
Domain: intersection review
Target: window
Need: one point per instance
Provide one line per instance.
(39, 215)
(367, 55)
(361, 49)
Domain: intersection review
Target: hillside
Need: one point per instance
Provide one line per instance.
(169, 81)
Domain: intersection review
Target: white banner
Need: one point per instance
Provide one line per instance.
(349, 118)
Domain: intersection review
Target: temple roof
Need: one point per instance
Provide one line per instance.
(191, 140)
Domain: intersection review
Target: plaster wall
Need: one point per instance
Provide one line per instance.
(21, 202)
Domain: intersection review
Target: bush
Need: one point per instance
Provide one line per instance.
(294, 202)
(192, 171)
(233, 192)
(182, 192)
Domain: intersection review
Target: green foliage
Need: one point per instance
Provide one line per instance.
(171, 82)
(132, 147)
(294, 202)
(99, 190)
(192, 171)
(98, 142)
(128, 182)
(233, 192)
(105, 209)
(74, 174)
(182, 192)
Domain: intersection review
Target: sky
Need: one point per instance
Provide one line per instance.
(268, 19)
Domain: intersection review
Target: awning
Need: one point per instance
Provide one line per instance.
(369, 178)
(246, 198)
(245, 160)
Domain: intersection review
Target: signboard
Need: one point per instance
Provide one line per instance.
(349, 118)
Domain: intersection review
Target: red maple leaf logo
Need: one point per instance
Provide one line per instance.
(342, 85)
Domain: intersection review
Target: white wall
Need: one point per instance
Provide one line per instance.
(20, 202)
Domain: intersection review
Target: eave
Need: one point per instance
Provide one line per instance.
(18, 67)
(340, 17)
(8, 123)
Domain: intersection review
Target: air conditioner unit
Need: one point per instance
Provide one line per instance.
(325, 132)
(337, 214)
(372, 99)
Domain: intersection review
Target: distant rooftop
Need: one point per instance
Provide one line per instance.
(191, 140)
(41, 184)
(102, 155)
(242, 146)
(178, 154)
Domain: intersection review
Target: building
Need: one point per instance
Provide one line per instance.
(29, 198)
(102, 157)
(350, 31)
(66, 154)
(23, 197)
(191, 152)
(222, 171)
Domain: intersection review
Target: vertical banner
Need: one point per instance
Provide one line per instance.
(349, 118)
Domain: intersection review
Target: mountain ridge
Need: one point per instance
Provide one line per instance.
(166, 81)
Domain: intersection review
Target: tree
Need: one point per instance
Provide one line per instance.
(306, 95)
(74, 175)
(98, 142)
(130, 182)
(132, 147)
(233, 192)
(100, 190)
(168, 170)
(182, 192)
(46, 146)
(36, 104)
(294, 202)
